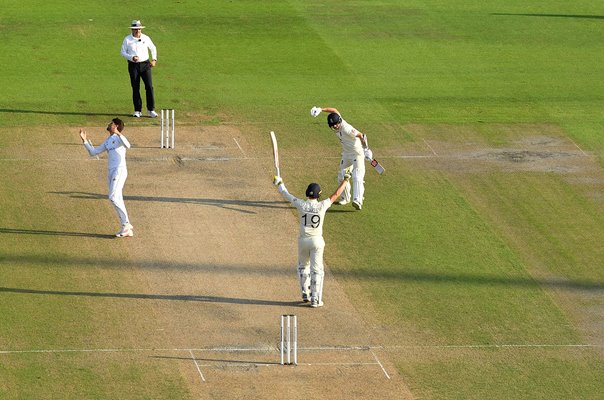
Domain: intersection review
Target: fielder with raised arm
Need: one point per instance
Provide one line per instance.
(354, 151)
(116, 146)
(310, 241)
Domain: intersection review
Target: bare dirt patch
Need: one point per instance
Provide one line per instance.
(508, 148)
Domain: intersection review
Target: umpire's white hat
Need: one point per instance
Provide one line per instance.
(136, 24)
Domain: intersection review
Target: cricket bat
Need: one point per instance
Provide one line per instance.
(275, 152)
(378, 167)
(374, 163)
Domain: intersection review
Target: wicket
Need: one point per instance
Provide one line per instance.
(289, 337)
(167, 127)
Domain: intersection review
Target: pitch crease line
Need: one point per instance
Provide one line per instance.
(319, 348)
(353, 364)
(240, 149)
(493, 346)
(430, 147)
(244, 365)
(75, 351)
(577, 146)
(380, 364)
(197, 365)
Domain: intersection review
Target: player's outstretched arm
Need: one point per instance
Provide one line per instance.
(330, 110)
(93, 151)
(336, 195)
(278, 182)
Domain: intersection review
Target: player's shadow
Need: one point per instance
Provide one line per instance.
(159, 297)
(42, 232)
(19, 111)
(243, 270)
(229, 204)
(217, 360)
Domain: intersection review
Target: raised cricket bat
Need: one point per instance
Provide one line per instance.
(275, 152)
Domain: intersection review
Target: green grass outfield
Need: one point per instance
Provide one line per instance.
(492, 282)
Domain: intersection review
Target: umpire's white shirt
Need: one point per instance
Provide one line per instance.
(140, 47)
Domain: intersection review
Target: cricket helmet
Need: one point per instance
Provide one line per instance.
(333, 119)
(313, 191)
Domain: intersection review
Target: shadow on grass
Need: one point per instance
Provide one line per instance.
(473, 279)
(166, 297)
(36, 260)
(375, 274)
(228, 204)
(551, 15)
(18, 111)
(54, 233)
(217, 360)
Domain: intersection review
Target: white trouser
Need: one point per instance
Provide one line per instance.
(310, 266)
(116, 179)
(358, 177)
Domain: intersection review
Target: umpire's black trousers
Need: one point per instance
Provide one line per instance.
(138, 71)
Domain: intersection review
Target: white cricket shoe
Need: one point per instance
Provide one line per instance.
(305, 297)
(342, 202)
(314, 303)
(357, 205)
(152, 114)
(137, 114)
(127, 231)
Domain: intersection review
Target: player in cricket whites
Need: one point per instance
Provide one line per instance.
(354, 152)
(116, 146)
(310, 240)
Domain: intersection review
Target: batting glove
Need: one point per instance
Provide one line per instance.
(368, 154)
(348, 173)
(277, 180)
(315, 111)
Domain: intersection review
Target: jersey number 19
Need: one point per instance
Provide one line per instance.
(312, 220)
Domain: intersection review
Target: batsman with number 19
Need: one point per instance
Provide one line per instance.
(310, 241)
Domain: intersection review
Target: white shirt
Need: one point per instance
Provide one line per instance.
(311, 212)
(351, 144)
(140, 47)
(115, 146)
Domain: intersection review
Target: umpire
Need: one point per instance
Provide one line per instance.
(136, 48)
